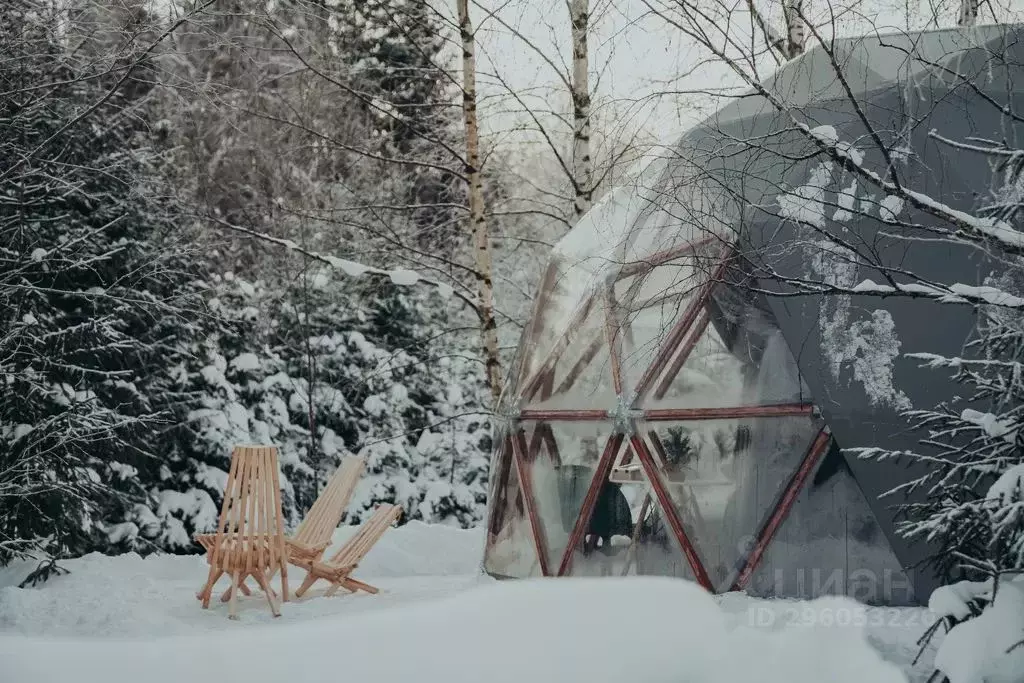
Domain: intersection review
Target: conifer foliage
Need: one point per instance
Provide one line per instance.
(322, 372)
(90, 298)
(970, 496)
(138, 345)
(968, 500)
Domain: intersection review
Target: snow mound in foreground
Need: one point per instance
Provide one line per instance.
(644, 630)
(143, 597)
(986, 649)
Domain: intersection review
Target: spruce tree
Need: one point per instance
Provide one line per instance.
(90, 295)
(397, 54)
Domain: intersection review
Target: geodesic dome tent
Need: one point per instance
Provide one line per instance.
(706, 339)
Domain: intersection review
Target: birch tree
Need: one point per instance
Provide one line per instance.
(478, 221)
(583, 163)
(968, 13)
(796, 28)
(591, 140)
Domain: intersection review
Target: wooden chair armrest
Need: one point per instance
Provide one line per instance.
(326, 569)
(303, 548)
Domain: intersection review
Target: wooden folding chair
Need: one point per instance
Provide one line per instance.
(337, 569)
(250, 532)
(314, 534)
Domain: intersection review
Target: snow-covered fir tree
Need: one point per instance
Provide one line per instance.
(323, 370)
(398, 52)
(93, 292)
(969, 501)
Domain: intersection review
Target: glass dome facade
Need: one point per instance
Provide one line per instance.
(659, 418)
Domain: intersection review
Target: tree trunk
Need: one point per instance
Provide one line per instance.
(582, 162)
(796, 29)
(968, 13)
(485, 291)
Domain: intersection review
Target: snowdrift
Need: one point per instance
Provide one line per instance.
(438, 620)
(648, 630)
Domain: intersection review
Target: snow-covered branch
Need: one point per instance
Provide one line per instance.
(402, 277)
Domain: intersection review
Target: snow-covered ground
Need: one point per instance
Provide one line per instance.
(438, 618)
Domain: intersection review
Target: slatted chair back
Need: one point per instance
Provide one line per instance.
(353, 552)
(250, 531)
(325, 515)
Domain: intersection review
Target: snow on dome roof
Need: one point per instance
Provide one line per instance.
(608, 222)
(661, 206)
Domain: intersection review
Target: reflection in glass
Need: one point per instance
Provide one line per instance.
(562, 458)
(510, 547)
(725, 477)
(652, 302)
(628, 534)
(581, 373)
(831, 544)
(740, 358)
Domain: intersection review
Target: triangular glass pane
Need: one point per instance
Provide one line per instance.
(579, 374)
(651, 304)
(510, 549)
(551, 311)
(831, 544)
(725, 476)
(629, 534)
(735, 356)
(562, 458)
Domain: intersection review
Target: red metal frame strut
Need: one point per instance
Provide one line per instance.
(688, 346)
(672, 516)
(782, 509)
(580, 365)
(564, 415)
(678, 333)
(662, 257)
(500, 484)
(534, 325)
(559, 347)
(526, 486)
(688, 414)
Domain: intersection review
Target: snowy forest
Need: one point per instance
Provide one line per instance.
(321, 224)
(170, 185)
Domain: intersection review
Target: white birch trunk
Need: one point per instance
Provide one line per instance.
(968, 13)
(582, 161)
(478, 221)
(796, 29)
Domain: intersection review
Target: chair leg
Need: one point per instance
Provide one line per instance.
(233, 603)
(334, 588)
(226, 595)
(265, 585)
(208, 585)
(267, 579)
(306, 585)
(357, 585)
(199, 593)
(284, 580)
(207, 591)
